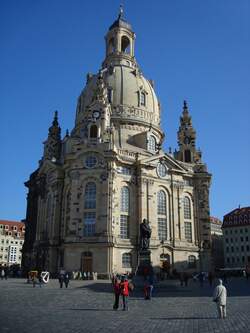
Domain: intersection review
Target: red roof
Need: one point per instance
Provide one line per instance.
(237, 217)
(19, 225)
(215, 220)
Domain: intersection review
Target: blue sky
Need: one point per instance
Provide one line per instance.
(194, 50)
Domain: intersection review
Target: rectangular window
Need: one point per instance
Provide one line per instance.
(126, 260)
(162, 228)
(143, 98)
(124, 227)
(89, 220)
(188, 231)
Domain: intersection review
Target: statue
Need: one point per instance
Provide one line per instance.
(145, 234)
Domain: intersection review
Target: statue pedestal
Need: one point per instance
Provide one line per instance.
(144, 264)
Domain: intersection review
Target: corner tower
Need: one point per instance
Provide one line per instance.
(187, 139)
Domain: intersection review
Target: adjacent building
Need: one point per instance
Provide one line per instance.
(217, 248)
(94, 187)
(11, 242)
(236, 235)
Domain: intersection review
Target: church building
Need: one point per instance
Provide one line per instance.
(94, 187)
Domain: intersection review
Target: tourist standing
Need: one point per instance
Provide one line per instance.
(124, 289)
(116, 286)
(220, 298)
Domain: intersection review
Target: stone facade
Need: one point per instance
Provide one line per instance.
(94, 187)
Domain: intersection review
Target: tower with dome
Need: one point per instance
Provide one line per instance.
(94, 187)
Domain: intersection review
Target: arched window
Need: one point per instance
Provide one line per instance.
(124, 217)
(93, 132)
(162, 215)
(187, 155)
(191, 262)
(90, 196)
(125, 44)
(187, 208)
(111, 45)
(89, 215)
(126, 260)
(125, 199)
(161, 203)
(151, 143)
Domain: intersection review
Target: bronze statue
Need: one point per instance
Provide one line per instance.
(145, 234)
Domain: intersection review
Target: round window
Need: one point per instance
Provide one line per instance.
(161, 170)
(91, 161)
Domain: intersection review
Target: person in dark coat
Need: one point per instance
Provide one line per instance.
(186, 278)
(66, 279)
(61, 279)
(117, 291)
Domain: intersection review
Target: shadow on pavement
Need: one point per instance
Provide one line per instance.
(90, 309)
(234, 287)
(184, 318)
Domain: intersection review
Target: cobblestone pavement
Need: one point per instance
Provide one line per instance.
(86, 306)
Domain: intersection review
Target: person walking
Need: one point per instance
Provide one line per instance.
(124, 289)
(116, 286)
(66, 279)
(61, 279)
(220, 298)
(2, 273)
(186, 278)
(201, 278)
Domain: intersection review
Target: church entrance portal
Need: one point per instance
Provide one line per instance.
(87, 262)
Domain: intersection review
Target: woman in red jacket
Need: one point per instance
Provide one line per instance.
(124, 289)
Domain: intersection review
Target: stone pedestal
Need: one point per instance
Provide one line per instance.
(144, 265)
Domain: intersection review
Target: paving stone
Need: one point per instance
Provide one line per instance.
(86, 306)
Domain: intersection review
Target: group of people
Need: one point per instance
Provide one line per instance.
(121, 287)
(77, 275)
(63, 279)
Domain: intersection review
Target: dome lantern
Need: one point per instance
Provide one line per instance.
(120, 40)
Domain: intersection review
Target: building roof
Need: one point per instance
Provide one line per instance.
(19, 225)
(215, 220)
(237, 217)
(120, 23)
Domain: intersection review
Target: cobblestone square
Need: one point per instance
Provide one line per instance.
(86, 306)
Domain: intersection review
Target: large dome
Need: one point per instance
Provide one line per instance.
(132, 98)
(126, 85)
